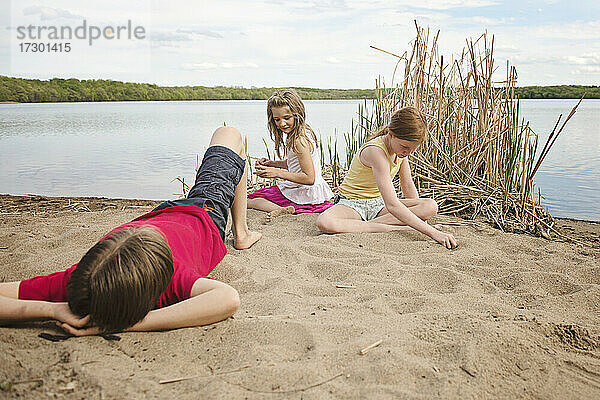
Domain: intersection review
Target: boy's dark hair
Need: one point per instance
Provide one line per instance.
(119, 280)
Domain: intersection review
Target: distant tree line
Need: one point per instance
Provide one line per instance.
(75, 90)
(558, 92)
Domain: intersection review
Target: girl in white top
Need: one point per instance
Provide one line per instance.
(301, 187)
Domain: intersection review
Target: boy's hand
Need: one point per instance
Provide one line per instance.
(446, 239)
(83, 331)
(267, 172)
(62, 313)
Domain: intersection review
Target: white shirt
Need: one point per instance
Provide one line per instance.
(305, 194)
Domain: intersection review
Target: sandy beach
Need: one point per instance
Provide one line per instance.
(502, 316)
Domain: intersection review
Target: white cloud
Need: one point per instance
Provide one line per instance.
(448, 4)
(425, 4)
(584, 59)
(181, 35)
(484, 21)
(588, 69)
(49, 13)
(201, 32)
(198, 66)
(574, 30)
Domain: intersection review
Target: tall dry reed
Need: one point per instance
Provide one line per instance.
(480, 156)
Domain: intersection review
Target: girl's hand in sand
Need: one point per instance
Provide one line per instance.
(267, 172)
(62, 313)
(446, 239)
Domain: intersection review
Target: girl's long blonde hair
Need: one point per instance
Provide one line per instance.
(301, 131)
(408, 123)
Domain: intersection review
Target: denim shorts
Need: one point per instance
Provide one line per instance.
(214, 190)
(366, 208)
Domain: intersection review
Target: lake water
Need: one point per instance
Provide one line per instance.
(136, 149)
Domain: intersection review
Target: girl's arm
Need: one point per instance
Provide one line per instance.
(271, 163)
(210, 301)
(375, 158)
(306, 177)
(409, 190)
(278, 164)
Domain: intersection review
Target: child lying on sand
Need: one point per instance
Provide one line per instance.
(150, 274)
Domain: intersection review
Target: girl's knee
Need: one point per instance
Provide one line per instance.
(326, 224)
(430, 208)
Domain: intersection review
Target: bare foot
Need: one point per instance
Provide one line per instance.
(280, 211)
(243, 242)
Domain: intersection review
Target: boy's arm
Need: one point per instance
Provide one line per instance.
(210, 301)
(10, 289)
(12, 309)
(409, 190)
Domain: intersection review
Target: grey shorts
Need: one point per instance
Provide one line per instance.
(220, 172)
(366, 208)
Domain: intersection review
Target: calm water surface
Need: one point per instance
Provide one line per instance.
(136, 149)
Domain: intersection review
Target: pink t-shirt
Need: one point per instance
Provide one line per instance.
(193, 238)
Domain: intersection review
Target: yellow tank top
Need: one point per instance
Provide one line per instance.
(359, 182)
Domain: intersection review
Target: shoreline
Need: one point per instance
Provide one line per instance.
(581, 227)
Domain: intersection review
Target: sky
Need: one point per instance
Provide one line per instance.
(300, 43)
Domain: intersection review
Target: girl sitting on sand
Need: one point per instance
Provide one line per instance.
(301, 189)
(368, 200)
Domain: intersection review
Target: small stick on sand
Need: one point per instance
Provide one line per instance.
(293, 294)
(467, 371)
(285, 391)
(184, 378)
(370, 347)
(272, 316)
(39, 381)
(345, 286)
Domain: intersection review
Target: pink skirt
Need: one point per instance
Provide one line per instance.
(274, 195)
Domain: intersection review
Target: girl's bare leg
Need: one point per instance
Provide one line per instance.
(258, 203)
(243, 237)
(422, 208)
(273, 210)
(340, 218)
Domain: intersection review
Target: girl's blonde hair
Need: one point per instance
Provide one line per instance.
(408, 123)
(301, 131)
